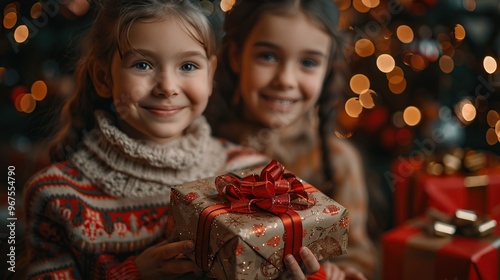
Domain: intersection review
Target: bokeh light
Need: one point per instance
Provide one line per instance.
(492, 118)
(459, 32)
(21, 34)
(397, 84)
(367, 99)
(226, 5)
(385, 63)
(412, 115)
(27, 103)
(490, 64)
(468, 112)
(364, 47)
(371, 3)
(36, 10)
(360, 6)
(359, 83)
(446, 64)
(39, 90)
(405, 34)
(491, 137)
(353, 107)
(10, 20)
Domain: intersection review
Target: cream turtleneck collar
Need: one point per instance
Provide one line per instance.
(127, 167)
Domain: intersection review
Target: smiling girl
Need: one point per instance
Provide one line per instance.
(275, 74)
(131, 131)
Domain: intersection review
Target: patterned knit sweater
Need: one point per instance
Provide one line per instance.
(88, 217)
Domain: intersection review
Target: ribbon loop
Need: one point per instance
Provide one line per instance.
(274, 191)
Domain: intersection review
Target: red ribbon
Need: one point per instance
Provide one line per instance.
(274, 191)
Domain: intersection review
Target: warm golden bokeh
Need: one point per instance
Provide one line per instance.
(490, 64)
(21, 34)
(412, 116)
(405, 34)
(226, 5)
(446, 64)
(385, 63)
(353, 107)
(36, 10)
(492, 118)
(459, 32)
(364, 47)
(10, 20)
(39, 90)
(359, 83)
(27, 103)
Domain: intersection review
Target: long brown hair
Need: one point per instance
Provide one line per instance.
(107, 33)
(239, 23)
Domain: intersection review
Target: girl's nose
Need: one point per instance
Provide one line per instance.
(166, 85)
(285, 77)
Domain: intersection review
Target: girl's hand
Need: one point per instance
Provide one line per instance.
(165, 260)
(335, 272)
(308, 259)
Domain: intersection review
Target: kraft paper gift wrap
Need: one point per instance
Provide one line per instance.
(238, 237)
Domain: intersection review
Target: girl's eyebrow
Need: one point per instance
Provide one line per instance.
(274, 46)
(148, 53)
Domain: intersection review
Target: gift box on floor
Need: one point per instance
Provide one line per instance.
(416, 189)
(411, 253)
(237, 239)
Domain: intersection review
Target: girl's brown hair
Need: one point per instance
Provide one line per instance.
(106, 35)
(239, 23)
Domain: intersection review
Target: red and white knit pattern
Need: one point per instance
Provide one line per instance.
(76, 231)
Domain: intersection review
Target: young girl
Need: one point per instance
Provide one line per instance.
(275, 73)
(132, 130)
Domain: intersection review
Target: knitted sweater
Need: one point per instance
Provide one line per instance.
(298, 147)
(88, 217)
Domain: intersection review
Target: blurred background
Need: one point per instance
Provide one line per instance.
(423, 83)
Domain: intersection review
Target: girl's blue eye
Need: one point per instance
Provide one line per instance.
(308, 63)
(142, 66)
(267, 57)
(188, 67)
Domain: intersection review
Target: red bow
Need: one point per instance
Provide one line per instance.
(273, 191)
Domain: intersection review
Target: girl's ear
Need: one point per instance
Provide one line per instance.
(234, 58)
(100, 75)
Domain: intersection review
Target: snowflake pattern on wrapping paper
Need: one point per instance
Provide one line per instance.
(92, 226)
(344, 222)
(235, 221)
(332, 210)
(259, 229)
(190, 197)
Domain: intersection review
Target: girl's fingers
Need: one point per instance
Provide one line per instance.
(310, 262)
(172, 250)
(294, 268)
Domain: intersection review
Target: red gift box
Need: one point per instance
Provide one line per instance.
(410, 253)
(415, 191)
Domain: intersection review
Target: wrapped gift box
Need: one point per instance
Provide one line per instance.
(232, 245)
(415, 191)
(410, 252)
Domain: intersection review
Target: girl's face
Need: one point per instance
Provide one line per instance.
(162, 82)
(281, 66)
